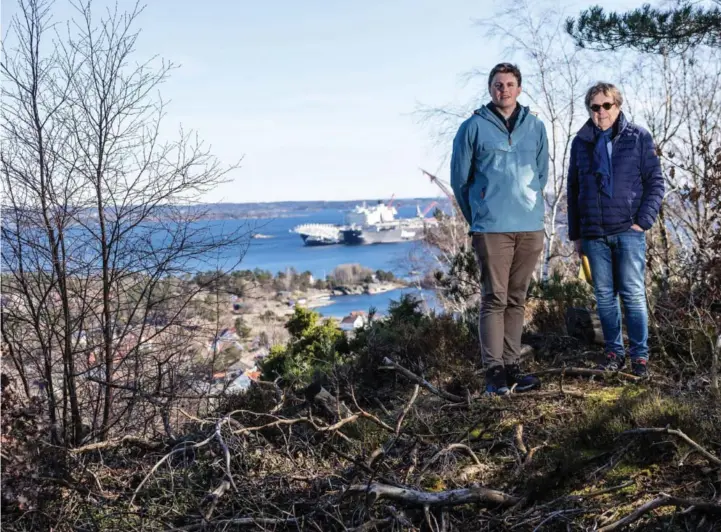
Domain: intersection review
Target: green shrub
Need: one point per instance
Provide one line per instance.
(314, 346)
(429, 345)
(548, 301)
(241, 328)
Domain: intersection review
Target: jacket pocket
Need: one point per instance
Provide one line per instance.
(629, 207)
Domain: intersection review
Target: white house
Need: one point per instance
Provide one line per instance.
(354, 320)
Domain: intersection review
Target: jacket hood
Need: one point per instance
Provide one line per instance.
(485, 112)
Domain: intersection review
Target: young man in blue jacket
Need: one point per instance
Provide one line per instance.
(499, 168)
(615, 190)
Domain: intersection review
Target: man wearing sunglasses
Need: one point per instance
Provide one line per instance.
(615, 190)
(499, 168)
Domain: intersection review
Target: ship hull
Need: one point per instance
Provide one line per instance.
(310, 240)
(381, 236)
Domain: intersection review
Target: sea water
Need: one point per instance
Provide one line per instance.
(275, 248)
(283, 250)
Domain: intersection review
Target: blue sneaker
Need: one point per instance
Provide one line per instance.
(496, 381)
(522, 382)
(639, 367)
(613, 362)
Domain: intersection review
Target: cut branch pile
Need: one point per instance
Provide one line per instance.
(422, 458)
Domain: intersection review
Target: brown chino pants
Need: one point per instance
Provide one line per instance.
(507, 261)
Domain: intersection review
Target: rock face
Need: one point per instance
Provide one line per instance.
(348, 290)
(583, 324)
(371, 288)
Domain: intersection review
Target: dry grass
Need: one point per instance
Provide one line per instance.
(564, 458)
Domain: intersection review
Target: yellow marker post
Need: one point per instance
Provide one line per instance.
(584, 272)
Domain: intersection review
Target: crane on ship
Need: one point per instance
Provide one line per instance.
(440, 184)
(426, 210)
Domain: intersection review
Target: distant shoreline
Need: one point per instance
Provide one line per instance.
(290, 209)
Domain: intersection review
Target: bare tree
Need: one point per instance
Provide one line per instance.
(676, 98)
(100, 222)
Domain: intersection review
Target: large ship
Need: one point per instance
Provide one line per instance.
(380, 226)
(376, 224)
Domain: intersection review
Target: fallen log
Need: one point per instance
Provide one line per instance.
(125, 440)
(411, 497)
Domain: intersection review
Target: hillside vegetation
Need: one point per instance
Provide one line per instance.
(391, 433)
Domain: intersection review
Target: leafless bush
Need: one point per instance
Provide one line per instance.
(99, 225)
(349, 274)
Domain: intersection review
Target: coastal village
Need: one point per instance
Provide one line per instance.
(262, 321)
(230, 334)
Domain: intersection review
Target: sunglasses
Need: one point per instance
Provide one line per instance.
(607, 106)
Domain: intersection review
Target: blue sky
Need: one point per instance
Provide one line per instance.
(316, 96)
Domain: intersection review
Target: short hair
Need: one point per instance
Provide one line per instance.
(607, 89)
(504, 68)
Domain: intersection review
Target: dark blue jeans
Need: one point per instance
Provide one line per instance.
(618, 268)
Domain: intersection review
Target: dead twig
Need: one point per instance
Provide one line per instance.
(226, 453)
(712, 458)
(382, 406)
(214, 497)
(390, 365)
(448, 449)
(533, 452)
(559, 513)
(368, 415)
(564, 499)
(663, 500)
(359, 465)
(442, 498)
(240, 521)
(406, 409)
(604, 491)
(518, 440)
(182, 448)
(110, 444)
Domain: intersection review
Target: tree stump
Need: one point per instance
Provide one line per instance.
(583, 324)
(331, 405)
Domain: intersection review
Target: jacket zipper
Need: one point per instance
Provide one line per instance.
(510, 141)
(613, 143)
(598, 193)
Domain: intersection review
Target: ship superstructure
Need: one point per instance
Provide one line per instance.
(375, 224)
(389, 230)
